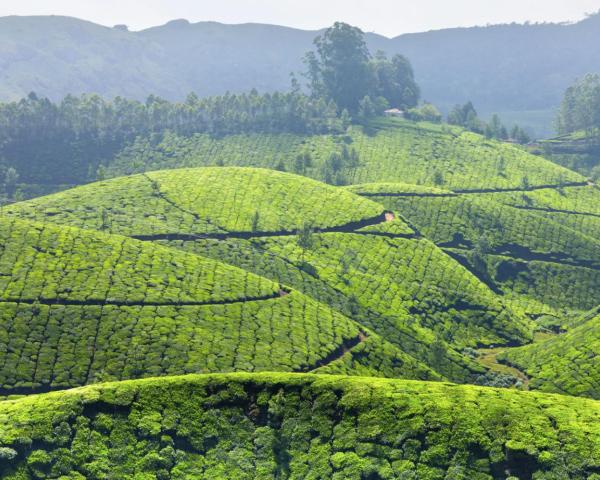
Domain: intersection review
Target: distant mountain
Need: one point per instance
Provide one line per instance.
(520, 71)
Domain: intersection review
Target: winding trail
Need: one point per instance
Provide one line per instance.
(336, 354)
(282, 292)
(488, 357)
(518, 252)
(474, 191)
(350, 227)
(554, 210)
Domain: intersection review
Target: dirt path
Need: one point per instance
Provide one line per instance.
(488, 358)
(336, 354)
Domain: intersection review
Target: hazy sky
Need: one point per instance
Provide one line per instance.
(388, 17)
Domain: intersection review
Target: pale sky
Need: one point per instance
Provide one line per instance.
(388, 17)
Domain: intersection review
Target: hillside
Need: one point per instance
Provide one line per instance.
(298, 426)
(365, 262)
(522, 67)
(297, 286)
(539, 247)
(577, 151)
(78, 306)
(387, 151)
(567, 363)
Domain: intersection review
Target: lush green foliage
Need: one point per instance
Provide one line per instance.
(580, 108)
(205, 200)
(298, 427)
(78, 306)
(70, 142)
(501, 68)
(466, 116)
(566, 363)
(538, 247)
(399, 286)
(45, 262)
(342, 70)
(388, 151)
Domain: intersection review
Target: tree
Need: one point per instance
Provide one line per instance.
(339, 70)
(438, 178)
(280, 166)
(519, 135)
(465, 116)
(394, 81)
(580, 107)
(302, 162)
(366, 107)
(10, 181)
(255, 221)
(305, 238)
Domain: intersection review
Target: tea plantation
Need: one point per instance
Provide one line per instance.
(566, 363)
(286, 426)
(203, 201)
(78, 306)
(544, 259)
(225, 318)
(372, 268)
(385, 151)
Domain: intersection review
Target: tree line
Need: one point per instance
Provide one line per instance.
(66, 142)
(580, 107)
(70, 142)
(466, 116)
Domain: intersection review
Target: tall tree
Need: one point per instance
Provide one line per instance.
(340, 69)
(395, 81)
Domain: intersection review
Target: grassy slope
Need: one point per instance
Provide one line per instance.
(403, 288)
(296, 426)
(406, 290)
(78, 306)
(544, 262)
(566, 363)
(574, 207)
(207, 200)
(389, 151)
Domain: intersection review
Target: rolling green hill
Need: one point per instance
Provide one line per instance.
(204, 201)
(77, 306)
(566, 363)
(388, 151)
(372, 268)
(286, 426)
(540, 247)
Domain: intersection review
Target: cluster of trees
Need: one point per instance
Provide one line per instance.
(466, 116)
(342, 69)
(580, 108)
(66, 142)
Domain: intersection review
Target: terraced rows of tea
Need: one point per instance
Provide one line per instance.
(565, 363)
(249, 426)
(365, 262)
(386, 151)
(79, 306)
(450, 258)
(544, 263)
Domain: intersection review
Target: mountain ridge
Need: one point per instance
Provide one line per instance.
(510, 69)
